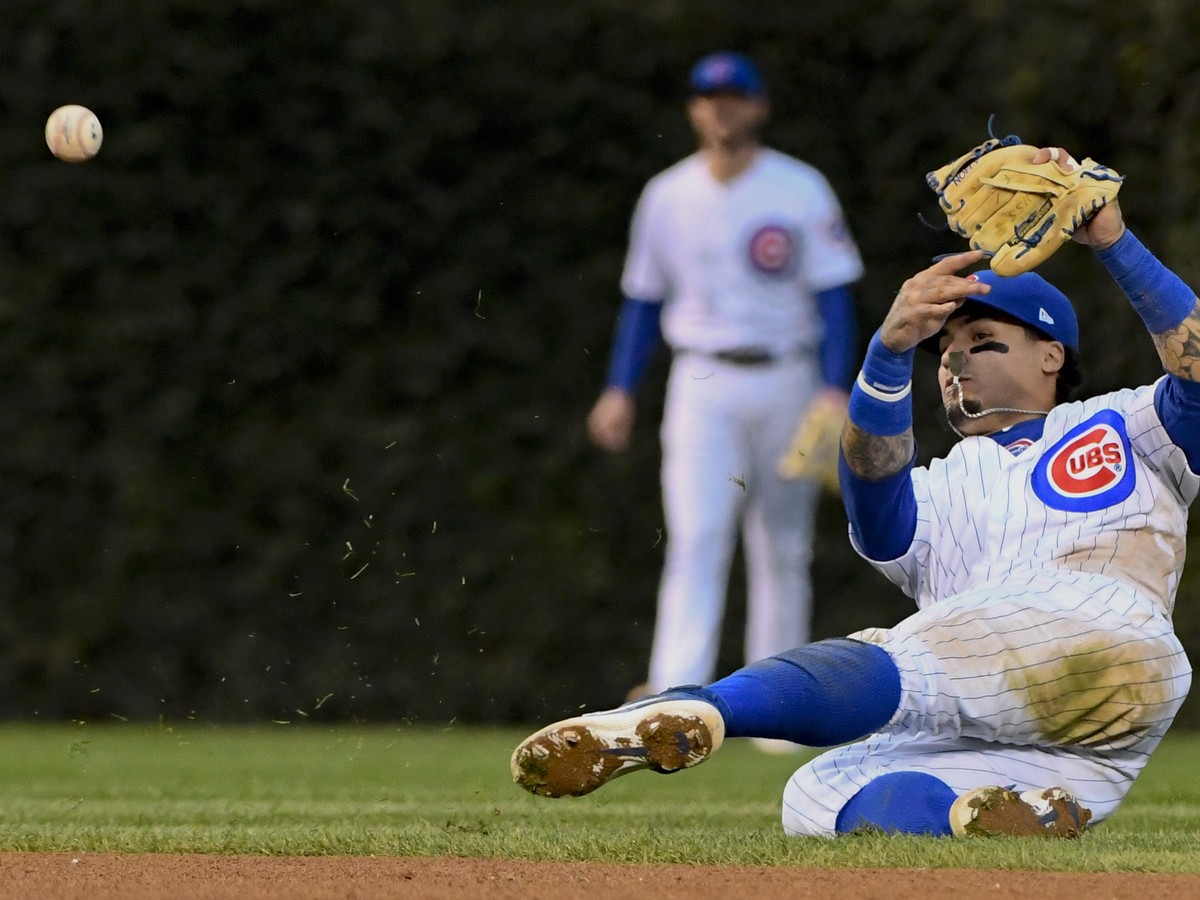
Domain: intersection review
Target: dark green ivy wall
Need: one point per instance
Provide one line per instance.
(293, 375)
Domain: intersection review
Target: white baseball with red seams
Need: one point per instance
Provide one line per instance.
(73, 133)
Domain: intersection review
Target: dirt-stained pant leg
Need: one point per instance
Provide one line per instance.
(1044, 683)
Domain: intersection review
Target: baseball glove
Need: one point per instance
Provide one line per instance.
(1016, 211)
(814, 449)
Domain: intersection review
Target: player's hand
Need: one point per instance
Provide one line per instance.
(928, 299)
(610, 423)
(834, 396)
(1104, 228)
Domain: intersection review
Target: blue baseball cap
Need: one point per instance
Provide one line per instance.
(1030, 299)
(726, 71)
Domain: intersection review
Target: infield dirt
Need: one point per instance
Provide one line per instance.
(143, 876)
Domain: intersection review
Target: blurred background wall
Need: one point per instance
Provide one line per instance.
(293, 374)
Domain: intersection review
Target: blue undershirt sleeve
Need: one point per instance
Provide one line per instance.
(1177, 402)
(637, 336)
(882, 513)
(1158, 295)
(1164, 302)
(836, 307)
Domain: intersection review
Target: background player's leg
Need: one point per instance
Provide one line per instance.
(779, 518)
(778, 539)
(701, 457)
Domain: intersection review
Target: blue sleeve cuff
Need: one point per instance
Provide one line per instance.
(836, 307)
(637, 336)
(881, 400)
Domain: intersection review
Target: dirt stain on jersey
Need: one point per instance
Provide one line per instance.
(1149, 560)
(1098, 694)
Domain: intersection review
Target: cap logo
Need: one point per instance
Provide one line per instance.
(1044, 316)
(719, 69)
(1089, 468)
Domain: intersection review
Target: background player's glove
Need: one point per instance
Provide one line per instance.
(814, 450)
(1016, 211)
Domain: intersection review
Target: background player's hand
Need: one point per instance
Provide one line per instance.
(1107, 225)
(928, 299)
(813, 452)
(610, 423)
(834, 396)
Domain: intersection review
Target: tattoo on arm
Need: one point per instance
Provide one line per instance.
(1179, 348)
(874, 456)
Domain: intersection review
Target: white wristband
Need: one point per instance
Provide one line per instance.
(886, 396)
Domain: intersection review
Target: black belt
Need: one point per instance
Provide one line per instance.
(741, 356)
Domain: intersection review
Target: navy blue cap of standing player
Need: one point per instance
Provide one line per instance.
(726, 71)
(1030, 299)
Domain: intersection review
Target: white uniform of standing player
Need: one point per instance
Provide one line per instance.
(738, 265)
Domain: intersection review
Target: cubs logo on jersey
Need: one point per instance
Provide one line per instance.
(1089, 468)
(772, 250)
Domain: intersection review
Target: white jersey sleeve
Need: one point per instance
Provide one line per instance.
(830, 255)
(644, 277)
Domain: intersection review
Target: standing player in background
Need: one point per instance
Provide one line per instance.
(743, 257)
(1044, 553)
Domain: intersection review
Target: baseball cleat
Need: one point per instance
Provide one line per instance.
(996, 811)
(575, 756)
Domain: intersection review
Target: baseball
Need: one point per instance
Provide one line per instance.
(73, 133)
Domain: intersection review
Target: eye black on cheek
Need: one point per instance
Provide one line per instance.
(990, 345)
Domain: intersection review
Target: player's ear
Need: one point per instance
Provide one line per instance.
(764, 111)
(1054, 356)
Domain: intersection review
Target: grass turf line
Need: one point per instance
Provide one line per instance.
(413, 791)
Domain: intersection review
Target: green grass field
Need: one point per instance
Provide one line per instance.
(408, 791)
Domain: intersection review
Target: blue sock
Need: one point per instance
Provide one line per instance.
(900, 802)
(819, 695)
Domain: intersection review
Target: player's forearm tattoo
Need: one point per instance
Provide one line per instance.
(874, 456)
(1179, 348)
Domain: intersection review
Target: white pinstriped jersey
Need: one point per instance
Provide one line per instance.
(737, 264)
(1042, 652)
(1104, 491)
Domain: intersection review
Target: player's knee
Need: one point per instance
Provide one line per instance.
(895, 802)
(899, 802)
(856, 688)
